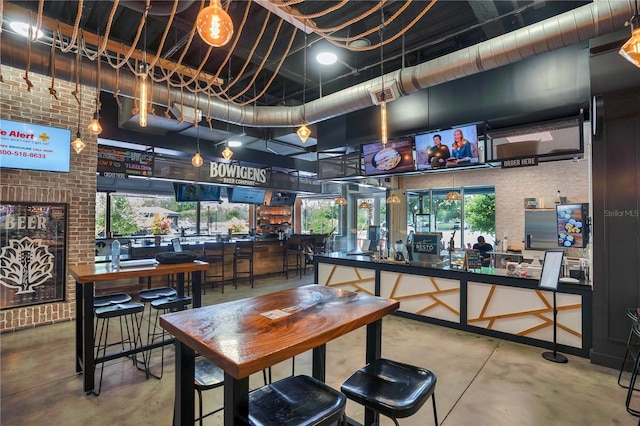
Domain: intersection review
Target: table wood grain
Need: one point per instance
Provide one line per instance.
(104, 272)
(240, 339)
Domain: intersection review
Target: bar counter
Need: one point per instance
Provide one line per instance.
(488, 302)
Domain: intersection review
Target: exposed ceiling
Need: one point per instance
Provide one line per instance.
(447, 26)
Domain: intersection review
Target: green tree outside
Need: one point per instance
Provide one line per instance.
(123, 216)
(480, 213)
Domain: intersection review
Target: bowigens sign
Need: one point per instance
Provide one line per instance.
(233, 174)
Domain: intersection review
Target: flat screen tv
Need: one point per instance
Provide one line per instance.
(196, 192)
(448, 148)
(394, 157)
(282, 198)
(33, 147)
(573, 229)
(244, 195)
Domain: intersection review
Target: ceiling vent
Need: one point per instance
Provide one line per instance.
(187, 113)
(391, 92)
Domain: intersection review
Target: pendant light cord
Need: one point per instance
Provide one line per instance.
(381, 31)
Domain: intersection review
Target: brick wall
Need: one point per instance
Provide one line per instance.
(76, 188)
(513, 186)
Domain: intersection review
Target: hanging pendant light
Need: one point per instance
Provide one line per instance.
(227, 153)
(94, 127)
(304, 132)
(364, 205)
(631, 49)
(214, 24)
(197, 160)
(453, 196)
(383, 103)
(393, 199)
(77, 144)
(143, 96)
(341, 201)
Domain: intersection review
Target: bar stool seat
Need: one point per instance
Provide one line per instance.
(110, 299)
(152, 294)
(131, 312)
(296, 400)
(391, 388)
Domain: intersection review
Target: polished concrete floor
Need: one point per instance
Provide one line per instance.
(481, 380)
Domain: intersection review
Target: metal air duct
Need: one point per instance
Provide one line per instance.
(579, 25)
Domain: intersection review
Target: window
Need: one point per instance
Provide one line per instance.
(463, 220)
(319, 215)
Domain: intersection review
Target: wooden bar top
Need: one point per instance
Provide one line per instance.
(104, 272)
(245, 336)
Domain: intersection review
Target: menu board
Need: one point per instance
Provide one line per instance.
(551, 269)
(427, 243)
(472, 259)
(122, 162)
(396, 156)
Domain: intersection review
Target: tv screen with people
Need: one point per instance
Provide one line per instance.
(448, 148)
(396, 156)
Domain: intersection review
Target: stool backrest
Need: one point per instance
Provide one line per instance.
(213, 248)
(244, 247)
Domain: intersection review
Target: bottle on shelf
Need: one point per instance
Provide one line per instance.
(505, 243)
(115, 254)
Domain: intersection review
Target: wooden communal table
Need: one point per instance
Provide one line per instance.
(87, 275)
(246, 336)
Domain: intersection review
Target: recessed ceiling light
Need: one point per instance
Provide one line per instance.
(235, 144)
(22, 28)
(327, 58)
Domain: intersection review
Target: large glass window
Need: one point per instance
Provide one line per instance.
(320, 216)
(460, 221)
(217, 217)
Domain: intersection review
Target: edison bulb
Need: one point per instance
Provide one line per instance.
(196, 160)
(214, 25)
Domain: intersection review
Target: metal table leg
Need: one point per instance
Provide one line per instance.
(236, 401)
(184, 406)
(374, 351)
(87, 336)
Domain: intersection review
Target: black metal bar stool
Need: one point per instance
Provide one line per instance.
(108, 300)
(214, 255)
(207, 376)
(148, 296)
(292, 247)
(634, 374)
(243, 251)
(633, 343)
(391, 388)
(162, 306)
(296, 401)
(131, 313)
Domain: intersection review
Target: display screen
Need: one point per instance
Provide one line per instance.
(282, 199)
(448, 148)
(246, 195)
(394, 157)
(572, 225)
(196, 192)
(32, 147)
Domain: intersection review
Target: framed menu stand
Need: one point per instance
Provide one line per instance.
(549, 281)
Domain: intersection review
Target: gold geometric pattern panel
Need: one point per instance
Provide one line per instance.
(421, 295)
(347, 277)
(525, 312)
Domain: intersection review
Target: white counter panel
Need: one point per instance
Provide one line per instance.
(347, 277)
(525, 312)
(429, 296)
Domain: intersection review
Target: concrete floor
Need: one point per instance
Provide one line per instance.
(481, 380)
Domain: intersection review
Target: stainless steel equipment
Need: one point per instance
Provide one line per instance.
(540, 229)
